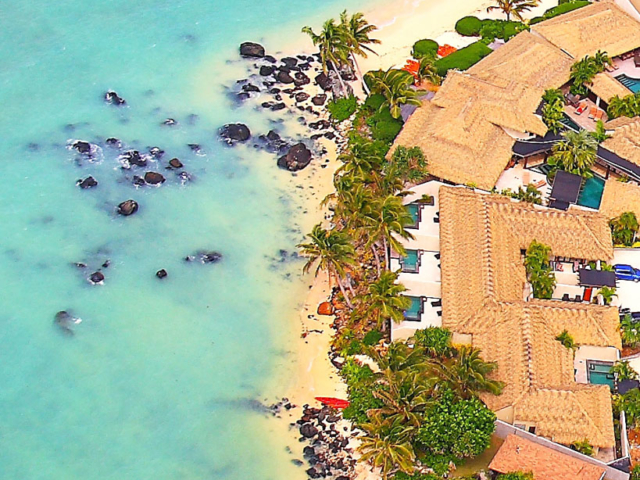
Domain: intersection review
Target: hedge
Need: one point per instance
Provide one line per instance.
(492, 29)
(565, 8)
(463, 58)
(469, 26)
(424, 48)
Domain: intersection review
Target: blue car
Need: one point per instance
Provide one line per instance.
(627, 272)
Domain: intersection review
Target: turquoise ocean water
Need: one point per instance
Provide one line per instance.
(156, 383)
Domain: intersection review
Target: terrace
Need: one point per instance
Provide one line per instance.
(626, 69)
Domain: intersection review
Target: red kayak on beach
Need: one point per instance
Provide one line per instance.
(333, 402)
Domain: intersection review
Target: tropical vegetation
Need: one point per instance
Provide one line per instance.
(424, 48)
(530, 194)
(395, 86)
(584, 71)
(629, 331)
(516, 476)
(623, 371)
(566, 340)
(624, 229)
(342, 108)
(583, 446)
(463, 58)
(575, 153)
(538, 267)
(627, 106)
(553, 109)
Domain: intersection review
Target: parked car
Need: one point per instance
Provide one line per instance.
(627, 272)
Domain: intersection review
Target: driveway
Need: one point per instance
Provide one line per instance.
(628, 291)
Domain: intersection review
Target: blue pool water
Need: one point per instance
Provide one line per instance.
(410, 261)
(632, 84)
(414, 211)
(413, 312)
(599, 374)
(159, 380)
(591, 193)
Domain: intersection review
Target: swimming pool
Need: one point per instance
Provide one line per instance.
(599, 374)
(410, 261)
(414, 211)
(591, 193)
(632, 84)
(414, 312)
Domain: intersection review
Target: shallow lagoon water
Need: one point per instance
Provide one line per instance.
(159, 378)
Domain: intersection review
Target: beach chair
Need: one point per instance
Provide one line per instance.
(598, 116)
(592, 112)
(540, 184)
(581, 108)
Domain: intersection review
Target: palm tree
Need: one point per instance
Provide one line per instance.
(428, 71)
(384, 301)
(404, 400)
(602, 59)
(624, 228)
(386, 219)
(387, 446)
(352, 206)
(467, 374)
(607, 294)
(333, 45)
(513, 7)
(357, 31)
(629, 331)
(575, 154)
(395, 86)
(333, 252)
(628, 106)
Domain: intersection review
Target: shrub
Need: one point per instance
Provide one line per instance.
(492, 29)
(435, 340)
(584, 447)
(361, 384)
(511, 29)
(562, 8)
(424, 48)
(635, 473)
(469, 26)
(384, 127)
(372, 338)
(566, 340)
(463, 58)
(342, 108)
(373, 102)
(515, 476)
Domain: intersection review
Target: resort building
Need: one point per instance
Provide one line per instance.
(486, 302)
(486, 119)
(519, 454)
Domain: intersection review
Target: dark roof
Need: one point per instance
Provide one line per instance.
(597, 278)
(566, 187)
(526, 148)
(558, 205)
(625, 385)
(626, 166)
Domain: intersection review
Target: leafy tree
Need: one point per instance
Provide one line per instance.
(576, 153)
(333, 44)
(513, 7)
(629, 331)
(566, 340)
(623, 371)
(467, 374)
(436, 341)
(395, 86)
(384, 300)
(607, 294)
(387, 446)
(357, 31)
(332, 251)
(583, 446)
(624, 228)
(454, 429)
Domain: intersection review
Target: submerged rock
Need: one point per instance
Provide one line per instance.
(210, 257)
(113, 98)
(251, 50)
(82, 147)
(153, 178)
(66, 321)
(128, 207)
(96, 278)
(162, 273)
(88, 182)
(156, 152)
(175, 163)
(234, 132)
(132, 157)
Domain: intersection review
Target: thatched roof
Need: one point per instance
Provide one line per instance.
(528, 59)
(483, 280)
(600, 26)
(619, 197)
(606, 87)
(518, 454)
(625, 140)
